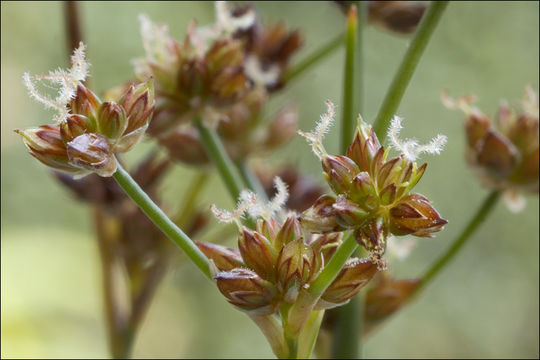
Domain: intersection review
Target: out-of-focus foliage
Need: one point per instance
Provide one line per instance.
(484, 305)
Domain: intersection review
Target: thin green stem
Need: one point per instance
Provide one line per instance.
(308, 336)
(334, 266)
(217, 153)
(314, 58)
(408, 65)
(488, 205)
(251, 180)
(346, 339)
(161, 220)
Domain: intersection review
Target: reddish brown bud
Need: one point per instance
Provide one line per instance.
(45, 144)
(348, 213)
(84, 103)
(325, 244)
(497, 155)
(415, 215)
(372, 235)
(246, 290)
(363, 192)
(229, 85)
(321, 217)
(476, 127)
(295, 267)
(364, 147)
(290, 231)
(257, 253)
(397, 16)
(387, 297)
(283, 127)
(92, 152)
(224, 257)
(75, 125)
(356, 273)
(112, 120)
(184, 145)
(339, 172)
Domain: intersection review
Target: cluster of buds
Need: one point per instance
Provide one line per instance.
(397, 16)
(87, 132)
(221, 75)
(372, 193)
(503, 153)
(275, 261)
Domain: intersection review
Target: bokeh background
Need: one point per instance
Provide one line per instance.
(484, 305)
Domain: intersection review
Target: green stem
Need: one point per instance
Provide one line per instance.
(408, 65)
(161, 220)
(348, 122)
(313, 58)
(273, 332)
(308, 336)
(474, 223)
(346, 339)
(217, 153)
(251, 179)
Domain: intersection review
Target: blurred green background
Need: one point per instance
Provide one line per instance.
(484, 305)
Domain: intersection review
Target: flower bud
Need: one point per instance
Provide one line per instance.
(364, 146)
(112, 120)
(295, 267)
(385, 298)
(223, 54)
(268, 227)
(414, 215)
(92, 152)
(290, 231)
(325, 244)
(398, 16)
(363, 192)
(75, 125)
(85, 102)
(138, 104)
(248, 291)
(283, 127)
(348, 214)
(497, 155)
(229, 85)
(476, 127)
(354, 275)
(224, 258)
(258, 253)
(372, 235)
(45, 144)
(339, 172)
(183, 144)
(321, 217)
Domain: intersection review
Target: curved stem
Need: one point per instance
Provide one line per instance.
(474, 223)
(217, 153)
(408, 65)
(313, 58)
(161, 220)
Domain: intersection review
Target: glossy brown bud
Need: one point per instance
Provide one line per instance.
(45, 144)
(258, 253)
(364, 146)
(112, 121)
(224, 258)
(295, 267)
(321, 217)
(414, 215)
(290, 231)
(372, 235)
(75, 125)
(92, 152)
(84, 103)
(183, 144)
(349, 214)
(356, 273)
(248, 291)
(339, 172)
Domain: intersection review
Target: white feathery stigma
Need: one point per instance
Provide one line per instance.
(67, 80)
(410, 148)
(316, 136)
(275, 205)
(247, 200)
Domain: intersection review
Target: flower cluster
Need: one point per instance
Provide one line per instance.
(372, 193)
(275, 261)
(87, 131)
(504, 152)
(220, 74)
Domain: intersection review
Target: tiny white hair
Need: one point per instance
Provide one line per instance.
(410, 148)
(68, 80)
(275, 205)
(316, 136)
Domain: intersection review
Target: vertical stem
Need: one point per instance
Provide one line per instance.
(217, 153)
(408, 65)
(346, 339)
(474, 223)
(273, 332)
(197, 184)
(161, 220)
(348, 122)
(73, 25)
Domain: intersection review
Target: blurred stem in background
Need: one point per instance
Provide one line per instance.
(407, 67)
(73, 25)
(346, 339)
(251, 179)
(480, 216)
